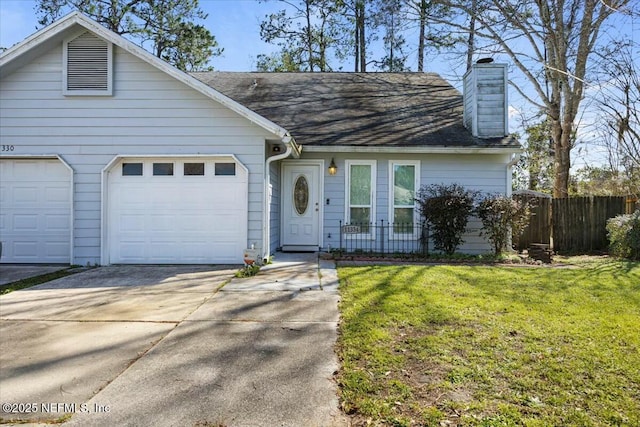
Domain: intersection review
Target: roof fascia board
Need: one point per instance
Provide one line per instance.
(412, 150)
(78, 18)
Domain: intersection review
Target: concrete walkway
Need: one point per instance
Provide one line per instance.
(259, 352)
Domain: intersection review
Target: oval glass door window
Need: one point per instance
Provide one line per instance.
(301, 195)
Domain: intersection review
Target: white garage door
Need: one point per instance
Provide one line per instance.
(177, 211)
(35, 211)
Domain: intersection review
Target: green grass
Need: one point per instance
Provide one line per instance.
(491, 346)
(37, 280)
(247, 271)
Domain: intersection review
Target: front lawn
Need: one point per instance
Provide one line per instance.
(491, 346)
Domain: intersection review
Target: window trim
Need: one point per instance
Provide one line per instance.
(65, 57)
(392, 206)
(347, 205)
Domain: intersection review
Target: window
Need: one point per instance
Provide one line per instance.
(132, 169)
(87, 66)
(404, 181)
(225, 169)
(360, 193)
(301, 195)
(163, 169)
(193, 169)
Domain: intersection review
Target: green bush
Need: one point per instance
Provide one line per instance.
(623, 232)
(447, 209)
(500, 217)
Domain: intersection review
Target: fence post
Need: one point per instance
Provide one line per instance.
(382, 237)
(424, 237)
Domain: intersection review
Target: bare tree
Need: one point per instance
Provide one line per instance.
(550, 42)
(619, 102)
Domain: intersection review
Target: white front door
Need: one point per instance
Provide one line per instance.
(301, 206)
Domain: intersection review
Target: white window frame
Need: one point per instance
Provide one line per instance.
(65, 57)
(416, 186)
(347, 205)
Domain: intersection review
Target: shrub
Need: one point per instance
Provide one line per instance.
(623, 232)
(447, 209)
(501, 216)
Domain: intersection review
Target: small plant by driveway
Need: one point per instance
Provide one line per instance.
(491, 346)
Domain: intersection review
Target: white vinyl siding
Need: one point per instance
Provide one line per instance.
(149, 114)
(360, 193)
(404, 182)
(87, 66)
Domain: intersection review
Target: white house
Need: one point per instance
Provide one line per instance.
(110, 155)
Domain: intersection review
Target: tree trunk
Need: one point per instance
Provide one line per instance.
(562, 160)
(309, 35)
(423, 23)
(362, 41)
(357, 41)
(472, 34)
(391, 43)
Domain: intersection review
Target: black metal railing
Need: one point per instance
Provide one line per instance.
(383, 238)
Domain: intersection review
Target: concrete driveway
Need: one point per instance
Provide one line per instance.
(14, 272)
(135, 345)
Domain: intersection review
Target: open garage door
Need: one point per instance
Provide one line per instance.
(177, 211)
(35, 211)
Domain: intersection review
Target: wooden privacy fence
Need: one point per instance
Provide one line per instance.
(539, 228)
(579, 223)
(575, 224)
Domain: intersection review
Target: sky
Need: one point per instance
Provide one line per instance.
(236, 26)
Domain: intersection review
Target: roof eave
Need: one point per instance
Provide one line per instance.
(413, 150)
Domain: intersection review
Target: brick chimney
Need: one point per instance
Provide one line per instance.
(485, 100)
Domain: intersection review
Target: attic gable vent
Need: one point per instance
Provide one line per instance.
(87, 66)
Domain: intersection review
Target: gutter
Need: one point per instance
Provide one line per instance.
(290, 147)
(412, 150)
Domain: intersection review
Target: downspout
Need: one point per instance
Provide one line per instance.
(509, 178)
(509, 184)
(266, 217)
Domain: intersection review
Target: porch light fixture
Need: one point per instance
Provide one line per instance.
(333, 168)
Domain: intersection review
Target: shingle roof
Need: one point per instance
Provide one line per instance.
(355, 109)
